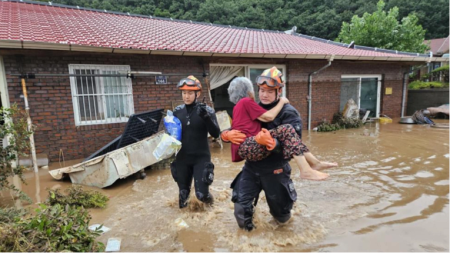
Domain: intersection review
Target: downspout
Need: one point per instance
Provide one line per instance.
(309, 98)
(404, 93)
(405, 75)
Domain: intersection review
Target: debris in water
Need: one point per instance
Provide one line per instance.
(102, 229)
(181, 223)
(76, 195)
(221, 250)
(113, 244)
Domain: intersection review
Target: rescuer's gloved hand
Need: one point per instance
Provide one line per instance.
(264, 138)
(233, 136)
(202, 111)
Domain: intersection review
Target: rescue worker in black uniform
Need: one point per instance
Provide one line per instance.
(272, 174)
(193, 161)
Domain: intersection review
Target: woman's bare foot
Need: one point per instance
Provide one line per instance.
(323, 165)
(314, 175)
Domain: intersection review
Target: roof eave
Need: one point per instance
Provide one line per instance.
(11, 44)
(130, 51)
(80, 48)
(166, 52)
(45, 46)
(16, 44)
(296, 56)
(225, 55)
(190, 53)
(281, 56)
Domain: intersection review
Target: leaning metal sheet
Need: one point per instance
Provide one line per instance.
(104, 170)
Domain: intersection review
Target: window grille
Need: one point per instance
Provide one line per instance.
(100, 100)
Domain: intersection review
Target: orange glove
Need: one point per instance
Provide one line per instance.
(264, 138)
(233, 136)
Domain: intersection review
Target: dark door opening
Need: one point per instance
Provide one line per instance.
(221, 100)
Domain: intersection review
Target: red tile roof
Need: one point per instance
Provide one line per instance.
(439, 46)
(34, 22)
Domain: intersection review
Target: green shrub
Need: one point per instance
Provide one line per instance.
(417, 85)
(438, 74)
(345, 123)
(441, 69)
(75, 195)
(10, 214)
(339, 122)
(53, 228)
(14, 126)
(327, 127)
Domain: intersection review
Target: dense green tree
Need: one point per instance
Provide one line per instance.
(433, 15)
(381, 29)
(316, 18)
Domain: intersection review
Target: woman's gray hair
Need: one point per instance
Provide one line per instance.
(240, 88)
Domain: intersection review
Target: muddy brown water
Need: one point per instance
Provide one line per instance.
(389, 193)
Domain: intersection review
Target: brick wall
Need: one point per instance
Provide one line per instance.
(326, 86)
(52, 109)
(51, 104)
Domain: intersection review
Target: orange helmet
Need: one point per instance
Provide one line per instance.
(189, 83)
(270, 78)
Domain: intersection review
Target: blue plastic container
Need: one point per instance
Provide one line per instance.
(172, 125)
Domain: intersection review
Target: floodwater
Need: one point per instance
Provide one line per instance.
(389, 193)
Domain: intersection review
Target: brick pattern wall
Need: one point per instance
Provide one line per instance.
(392, 104)
(326, 86)
(52, 109)
(51, 104)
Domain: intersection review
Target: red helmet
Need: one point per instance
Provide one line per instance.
(270, 78)
(189, 83)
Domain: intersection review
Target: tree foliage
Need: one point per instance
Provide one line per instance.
(51, 229)
(316, 18)
(76, 195)
(13, 123)
(383, 30)
(438, 78)
(339, 122)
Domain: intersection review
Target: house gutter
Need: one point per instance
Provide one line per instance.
(17, 44)
(405, 77)
(405, 74)
(309, 98)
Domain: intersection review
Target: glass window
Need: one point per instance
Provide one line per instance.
(363, 90)
(100, 100)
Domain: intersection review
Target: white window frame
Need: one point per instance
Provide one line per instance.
(379, 77)
(247, 68)
(126, 97)
(4, 95)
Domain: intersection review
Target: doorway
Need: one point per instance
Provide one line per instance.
(364, 90)
(220, 96)
(219, 93)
